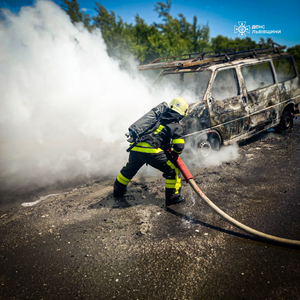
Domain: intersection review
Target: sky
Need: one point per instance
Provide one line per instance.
(222, 17)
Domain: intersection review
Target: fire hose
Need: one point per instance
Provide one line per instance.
(190, 180)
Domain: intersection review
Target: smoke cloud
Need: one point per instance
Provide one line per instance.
(196, 157)
(65, 104)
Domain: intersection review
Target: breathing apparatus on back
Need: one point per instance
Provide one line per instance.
(147, 124)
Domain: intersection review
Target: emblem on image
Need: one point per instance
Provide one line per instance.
(242, 29)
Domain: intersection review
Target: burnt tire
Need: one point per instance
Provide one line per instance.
(206, 146)
(215, 142)
(286, 122)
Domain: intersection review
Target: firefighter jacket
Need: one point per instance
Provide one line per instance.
(168, 133)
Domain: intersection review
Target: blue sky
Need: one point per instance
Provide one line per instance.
(221, 16)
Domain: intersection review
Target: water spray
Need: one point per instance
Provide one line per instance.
(190, 180)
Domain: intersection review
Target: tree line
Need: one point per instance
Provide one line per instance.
(172, 36)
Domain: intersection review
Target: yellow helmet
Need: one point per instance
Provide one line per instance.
(180, 106)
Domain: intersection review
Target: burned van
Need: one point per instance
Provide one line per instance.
(236, 94)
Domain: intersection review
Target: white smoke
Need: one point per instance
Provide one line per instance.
(65, 104)
(195, 157)
(258, 76)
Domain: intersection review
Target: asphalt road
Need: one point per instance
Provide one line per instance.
(81, 244)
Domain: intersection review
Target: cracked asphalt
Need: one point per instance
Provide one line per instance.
(81, 244)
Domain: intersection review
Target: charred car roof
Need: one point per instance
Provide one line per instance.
(212, 60)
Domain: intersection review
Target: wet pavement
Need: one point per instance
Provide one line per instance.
(81, 244)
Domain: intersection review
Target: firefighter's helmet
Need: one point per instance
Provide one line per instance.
(180, 106)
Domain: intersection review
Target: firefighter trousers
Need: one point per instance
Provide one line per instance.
(161, 161)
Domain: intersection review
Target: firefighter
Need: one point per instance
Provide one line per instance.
(154, 151)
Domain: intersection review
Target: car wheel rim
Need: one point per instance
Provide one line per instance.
(205, 148)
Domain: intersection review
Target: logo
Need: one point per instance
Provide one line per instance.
(242, 29)
(178, 104)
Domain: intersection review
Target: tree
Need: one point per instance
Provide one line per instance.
(147, 42)
(222, 42)
(172, 36)
(261, 41)
(182, 36)
(76, 15)
(117, 34)
(295, 51)
(163, 9)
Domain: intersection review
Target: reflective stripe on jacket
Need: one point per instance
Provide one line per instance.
(168, 132)
(145, 148)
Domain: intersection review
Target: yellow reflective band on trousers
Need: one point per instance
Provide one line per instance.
(122, 179)
(159, 129)
(145, 148)
(178, 141)
(173, 183)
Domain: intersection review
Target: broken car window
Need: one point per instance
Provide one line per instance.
(195, 82)
(172, 80)
(225, 85)
(284, 69)
(258, 76)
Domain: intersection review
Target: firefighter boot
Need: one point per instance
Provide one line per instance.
(172, 199)
(119, 189)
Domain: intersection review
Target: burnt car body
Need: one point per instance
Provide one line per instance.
(237, 94)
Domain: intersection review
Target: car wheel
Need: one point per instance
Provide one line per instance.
(206, 146)
(286, 122)
(215, 142)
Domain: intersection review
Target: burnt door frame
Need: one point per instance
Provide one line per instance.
(262, 103)
(227, 115)
(287, 88)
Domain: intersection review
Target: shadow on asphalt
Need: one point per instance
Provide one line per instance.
(133, 200)
(130, 200)
(229, 232)
(198, 222)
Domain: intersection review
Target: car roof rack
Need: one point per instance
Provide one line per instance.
(196, 59)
